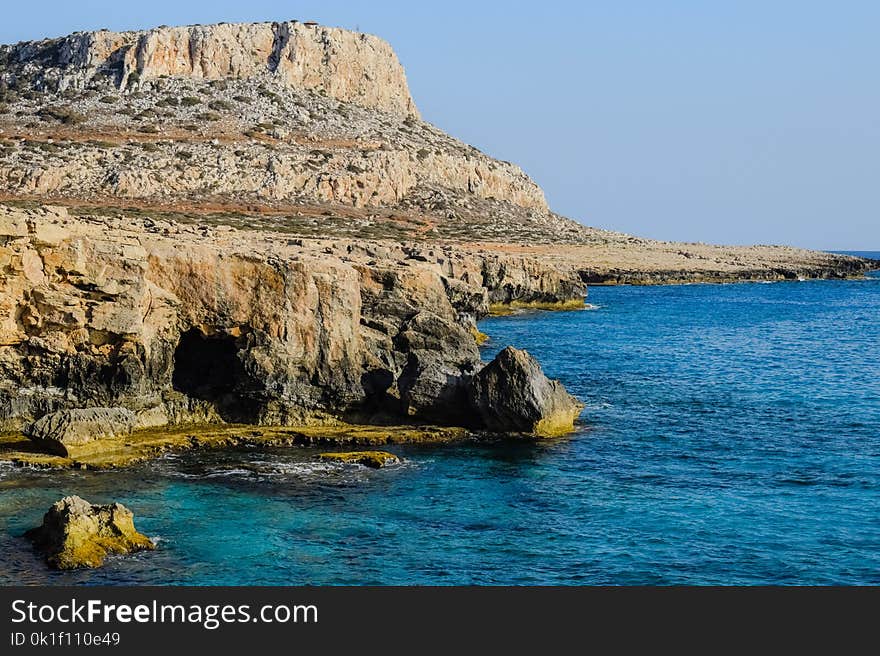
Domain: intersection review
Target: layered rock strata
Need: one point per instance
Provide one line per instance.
(68, 433)
(180, 325)
(251, 224)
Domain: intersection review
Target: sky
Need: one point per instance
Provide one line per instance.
(734, 122)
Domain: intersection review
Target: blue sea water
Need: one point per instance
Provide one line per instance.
(731, 436)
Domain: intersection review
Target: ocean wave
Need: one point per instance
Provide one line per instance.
(8, 469)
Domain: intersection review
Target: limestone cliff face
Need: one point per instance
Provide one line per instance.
(266, 113)
(180, 324)
(357, 68)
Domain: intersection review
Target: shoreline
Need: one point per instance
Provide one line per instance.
(148, 444)
(145, 444)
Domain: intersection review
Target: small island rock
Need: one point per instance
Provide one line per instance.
(78, 534)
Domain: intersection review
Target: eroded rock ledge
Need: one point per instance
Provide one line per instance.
(178, 324)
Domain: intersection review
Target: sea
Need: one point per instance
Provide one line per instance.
(731, 435)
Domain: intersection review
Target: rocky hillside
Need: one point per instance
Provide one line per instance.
(283, 118)
(298, 128)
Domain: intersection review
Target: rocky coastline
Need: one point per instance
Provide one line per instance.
(245, 235)
(136, 325)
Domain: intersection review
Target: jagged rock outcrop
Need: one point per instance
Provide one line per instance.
(76, 534)
(348, 66)
(512, 394)
(182, 324)
(67, 432)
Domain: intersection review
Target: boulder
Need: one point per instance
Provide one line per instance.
(67, 432)
(78, 534)
(374, 459)
(441, 357)
(512, 394)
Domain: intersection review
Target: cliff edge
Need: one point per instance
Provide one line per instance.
(348, 66)
(178, 324)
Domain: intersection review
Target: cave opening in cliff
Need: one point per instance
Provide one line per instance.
(207, 367)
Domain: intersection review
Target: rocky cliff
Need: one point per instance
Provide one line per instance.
(356, 68)
(180, 324)
(277, 116)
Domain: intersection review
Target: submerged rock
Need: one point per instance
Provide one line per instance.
(512, 394)
(374, 459)
(78, 534)
(66, 432)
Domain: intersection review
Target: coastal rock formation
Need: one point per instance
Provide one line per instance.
(65, 432)
(357, 68)
(179, 324)
(372, 459)
(310, 131)
(78, 534)
(512, 394)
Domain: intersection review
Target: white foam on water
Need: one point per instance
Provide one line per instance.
(307, 468)
(7, 468)
(270, 467)
(235, 471)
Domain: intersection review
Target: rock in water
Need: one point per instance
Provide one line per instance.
(67, 431)
(77, 534)
(374, 459)
(512, 393)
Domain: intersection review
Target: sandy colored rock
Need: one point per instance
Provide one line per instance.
(66, 432)
(269, 113)
(77, 534)
(372, 459)
(512, 394)
(179, 324)
(358, 68)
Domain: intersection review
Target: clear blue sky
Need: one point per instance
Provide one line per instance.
(739, 122)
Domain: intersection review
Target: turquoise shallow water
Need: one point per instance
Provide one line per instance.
(731, 435)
